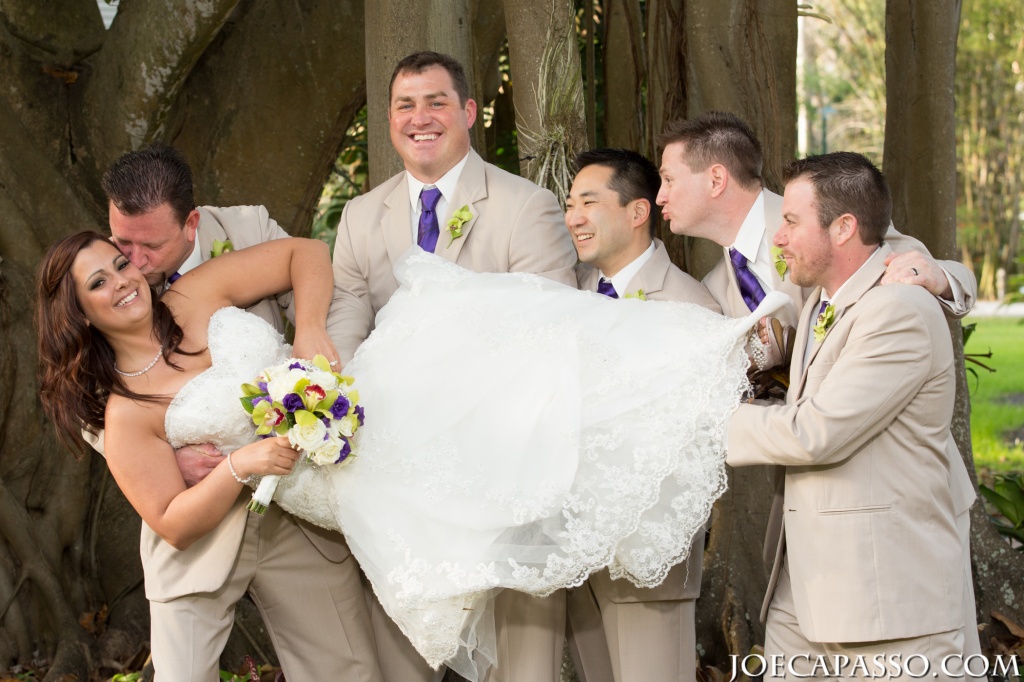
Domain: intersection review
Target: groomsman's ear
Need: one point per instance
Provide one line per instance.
(719, 176)
(641, 212)
(847, 228)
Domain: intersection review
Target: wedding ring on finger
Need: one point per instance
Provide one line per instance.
(332, 363)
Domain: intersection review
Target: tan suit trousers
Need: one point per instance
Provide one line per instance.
(940, 654)
(328, 640)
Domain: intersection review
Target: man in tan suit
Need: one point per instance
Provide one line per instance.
(504, 224)
(869, 560)
(619, 632)
(304, 580)
(712, 188)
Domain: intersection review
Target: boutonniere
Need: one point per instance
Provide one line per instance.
(458, 219)
(779, 262)
(639, 294)
(221, 247)
(825, 320)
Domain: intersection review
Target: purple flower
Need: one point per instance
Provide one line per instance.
(346, 450)
(259, 399)
(359, 413)
(340, 407)
(262, 385)
(327, 423)
(296, 365)
(292, 402)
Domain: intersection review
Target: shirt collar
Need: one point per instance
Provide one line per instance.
(829, 299)
(446, 184)
(750, 238)
(623, 277)
(194, 260)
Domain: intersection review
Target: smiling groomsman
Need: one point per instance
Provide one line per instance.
(619, 632)
(869, 560)
(452, 203)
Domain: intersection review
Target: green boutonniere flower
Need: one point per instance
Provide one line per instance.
(825, 320)
(458, 219)
(639, 293)
(221, 247)
(779, 262)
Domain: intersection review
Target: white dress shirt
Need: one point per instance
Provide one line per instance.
(446, 184)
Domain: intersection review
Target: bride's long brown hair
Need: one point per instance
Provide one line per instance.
(76, 363)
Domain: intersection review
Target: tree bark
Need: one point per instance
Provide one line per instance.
(920, 164)
(624, 73)
(547, 85)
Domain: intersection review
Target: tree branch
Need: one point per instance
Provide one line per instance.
(55, 32)
(149, 52)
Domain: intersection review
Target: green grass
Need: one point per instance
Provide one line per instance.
(992, 416)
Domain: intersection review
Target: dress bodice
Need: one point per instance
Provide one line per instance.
(207, 408)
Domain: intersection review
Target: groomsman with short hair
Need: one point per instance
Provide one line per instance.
(619, 632)
(869, 560)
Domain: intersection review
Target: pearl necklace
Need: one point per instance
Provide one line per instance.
(145, 369)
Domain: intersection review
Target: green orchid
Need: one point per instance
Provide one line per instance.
(458, 219)
(824, 323)
(221, 247)
(779, 262)
(269, 417)
(639, 294)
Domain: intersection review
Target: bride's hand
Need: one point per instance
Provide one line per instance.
(268, 456)
(312, 342)
(774, 344)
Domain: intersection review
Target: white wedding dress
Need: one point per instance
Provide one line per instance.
(519, 434)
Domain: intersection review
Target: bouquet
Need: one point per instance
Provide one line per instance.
(315, 407)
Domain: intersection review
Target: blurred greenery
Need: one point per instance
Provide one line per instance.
(349, 179)
(997, 399)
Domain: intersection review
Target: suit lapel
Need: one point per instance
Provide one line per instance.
(471, 188)
(395, 223)
(209, 230)
(651, 276)
(859, 284)
(737, 305)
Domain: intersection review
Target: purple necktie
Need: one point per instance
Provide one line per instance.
(605, 288)
(173, 278)
(427, 236)
(821, 308)
(750, 288)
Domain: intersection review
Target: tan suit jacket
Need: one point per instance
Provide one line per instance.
(722, 284)
(873, 482)
(204, 566)
(516, 227)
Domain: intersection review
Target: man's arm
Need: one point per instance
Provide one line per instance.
(540, 243)
(351, 317)
(951, 282)
(881, 368)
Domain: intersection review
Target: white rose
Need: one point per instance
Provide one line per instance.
(328, 452)
(324, 380)
(308, 438)
(281, 385)
(347, 425)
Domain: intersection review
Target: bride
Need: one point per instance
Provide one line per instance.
(519, 435)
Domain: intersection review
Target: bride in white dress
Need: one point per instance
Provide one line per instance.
(519, 435)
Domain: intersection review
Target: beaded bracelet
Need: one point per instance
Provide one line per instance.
(231, 468)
